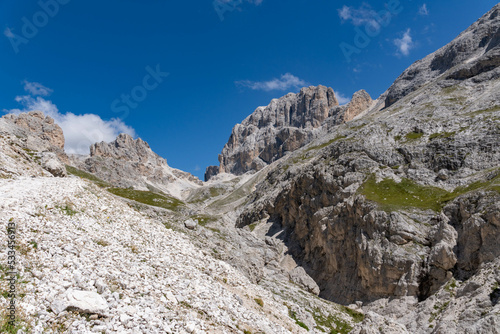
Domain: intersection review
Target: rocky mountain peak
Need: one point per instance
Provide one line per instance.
(306, 109)
(360, 102)
(283, 126)
(128, 162)
(34, 139)
(38, 125)
(126, 148)
(474, 53)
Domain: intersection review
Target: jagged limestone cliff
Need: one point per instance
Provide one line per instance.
(403, 201)
(126, 163)
(285, 125)
(392, 205)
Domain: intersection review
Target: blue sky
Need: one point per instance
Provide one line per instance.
(181, 74)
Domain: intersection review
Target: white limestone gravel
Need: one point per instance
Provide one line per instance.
(74, 237)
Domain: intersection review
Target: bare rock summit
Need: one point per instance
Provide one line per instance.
(285, 125)
(127, 162)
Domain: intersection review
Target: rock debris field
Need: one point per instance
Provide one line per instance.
(88, 263)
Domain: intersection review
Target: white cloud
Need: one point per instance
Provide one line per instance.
(35, 103)
(404, 44)
(360, 16)
(80, 131)
(342, 98)
(286, 81)
(35, 88)
(423, 10)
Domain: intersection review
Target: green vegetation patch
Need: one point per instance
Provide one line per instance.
(442, 135)
(259, 302)
(483, 111)
(203, 220)
(449, 90)
(332, 324)
(12, 328)
(149, 198)
(84, 175)
(203, 195)
(414, 135)
(491, 184)
(293, 316)
(391, 195)
(355, 315)
(214, 191)
(439, 309)
(67, 210)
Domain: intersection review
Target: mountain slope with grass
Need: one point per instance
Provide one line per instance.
(400, 202)
(374, 217)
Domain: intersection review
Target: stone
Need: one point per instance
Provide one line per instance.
(59, 305)
(100, 286)
(27, 138)
(86, 302)
(190, 224)
(53, 165)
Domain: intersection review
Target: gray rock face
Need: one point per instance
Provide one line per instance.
(400, 206)
(210, 172)
(29, 139)
(474, 53)
(41, 127)
(39, 131)
(131, 163)
(360, 102)
(300, 277)
(285, 125)
(270, 132)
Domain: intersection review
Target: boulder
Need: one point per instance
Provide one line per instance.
(53, 165)
(190, 224)
(80, 301)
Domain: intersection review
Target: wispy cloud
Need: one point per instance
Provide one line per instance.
(404, 44)
(363, 15)
(80, 131)
(342, 98)
(423, 10)
(286, 81)
(35, 88)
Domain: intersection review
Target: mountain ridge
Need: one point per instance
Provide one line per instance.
(388, 210)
